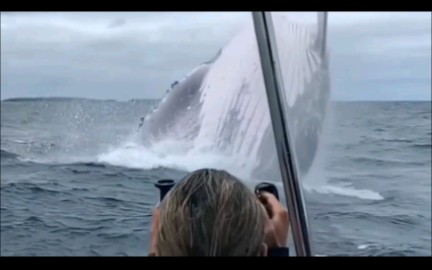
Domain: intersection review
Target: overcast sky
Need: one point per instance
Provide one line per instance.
(374, 56)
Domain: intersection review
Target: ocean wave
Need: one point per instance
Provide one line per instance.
(422, 145)
(375, 250)
(347, 191)
(33, 188)
(397, 140)
(8, 155)
(382, 161)
(403, 221)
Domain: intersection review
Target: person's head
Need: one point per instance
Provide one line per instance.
(211, 213)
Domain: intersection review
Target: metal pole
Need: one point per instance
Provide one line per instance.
(271, 71)
(322, 32)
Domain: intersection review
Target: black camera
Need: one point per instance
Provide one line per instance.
(267, 187)
(165, 185)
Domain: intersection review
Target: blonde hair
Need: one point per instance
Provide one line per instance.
(210, 213)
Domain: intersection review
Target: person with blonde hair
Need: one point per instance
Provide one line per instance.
(212, 213)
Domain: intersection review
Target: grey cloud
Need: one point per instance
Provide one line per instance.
(117, 23)
(382, 58)
(133, 63)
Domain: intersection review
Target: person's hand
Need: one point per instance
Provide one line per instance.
(154, 232)
(277, 226)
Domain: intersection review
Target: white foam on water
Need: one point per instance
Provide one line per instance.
(318, 181)
(172, 154)
(364, 194)
(184, 156)
(363, 246)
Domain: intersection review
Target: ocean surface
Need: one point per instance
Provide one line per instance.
(74, 183)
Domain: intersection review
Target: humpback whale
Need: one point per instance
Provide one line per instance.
(222, 104)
